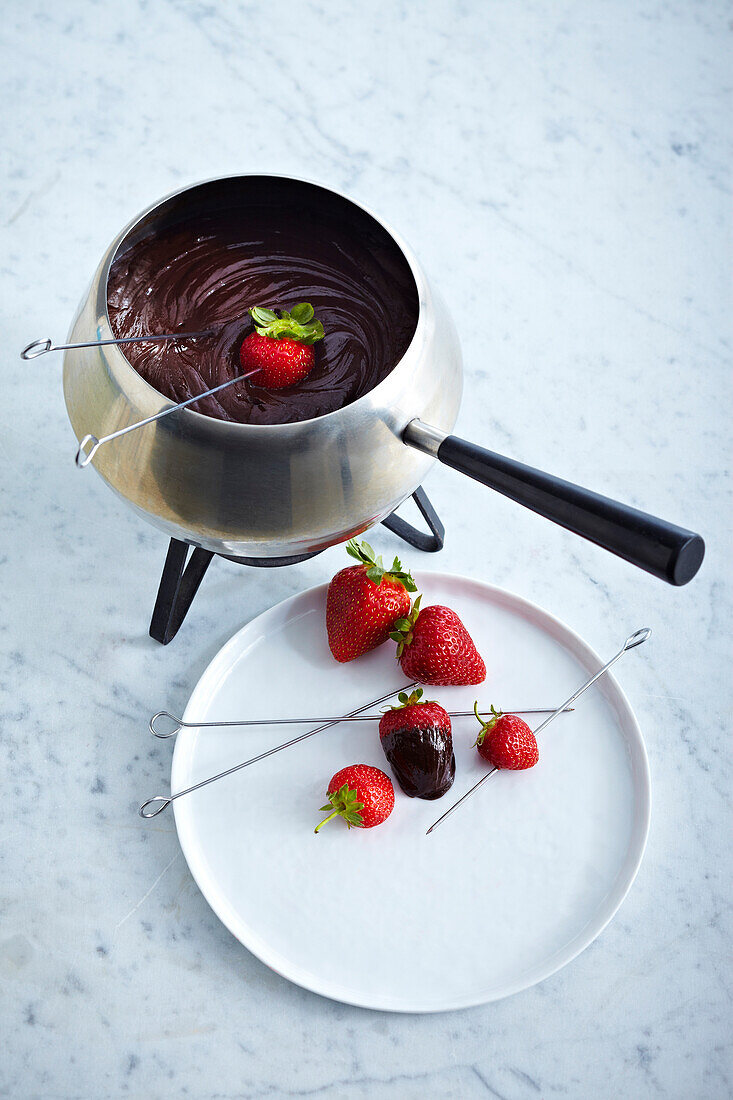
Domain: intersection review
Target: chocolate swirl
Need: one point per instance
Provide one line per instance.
(206, 274)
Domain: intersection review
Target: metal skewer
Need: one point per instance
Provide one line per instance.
(631, 642)
(42, 347)
(179, 724)
(84, 457)
(162, 802)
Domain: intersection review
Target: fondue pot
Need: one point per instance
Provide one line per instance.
(262, 491)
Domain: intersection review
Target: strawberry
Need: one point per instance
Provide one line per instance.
(281, 348)
(362, 795)
(434, 647)
(363, 603)
(417, 740)
(506, 741)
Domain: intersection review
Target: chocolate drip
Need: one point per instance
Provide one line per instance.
(422, 760)
(194, 276)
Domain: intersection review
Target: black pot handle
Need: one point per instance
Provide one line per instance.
(671, 553)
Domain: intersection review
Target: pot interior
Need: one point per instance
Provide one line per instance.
(201, 258)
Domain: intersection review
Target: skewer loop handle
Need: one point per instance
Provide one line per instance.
(38, 347)
(637, 638)
(162, 804)
(160, 731)
(84, 457)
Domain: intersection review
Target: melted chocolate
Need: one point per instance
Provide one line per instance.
(202, 274)
(422, 760)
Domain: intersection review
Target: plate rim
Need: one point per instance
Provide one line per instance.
(641, 812)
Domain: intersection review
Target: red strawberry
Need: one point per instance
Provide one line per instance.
(363, 603)
(506, 741)
(434, 647)
(279, 363)
(417, 740)
(280, 349)
(362, 795)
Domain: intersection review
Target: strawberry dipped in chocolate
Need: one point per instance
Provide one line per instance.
(434, 647)
(506, 741)
(417, 740)
(362, 795)
(281, 349)
(364, 602)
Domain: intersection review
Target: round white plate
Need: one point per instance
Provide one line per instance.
(504, 893)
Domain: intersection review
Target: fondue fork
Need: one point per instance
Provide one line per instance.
(162, 802)
(42, 347)
(633, 640)
(84, 456)
(179, 724)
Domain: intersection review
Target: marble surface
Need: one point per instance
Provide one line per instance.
(561, 170)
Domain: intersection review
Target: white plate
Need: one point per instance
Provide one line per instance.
(510, 889)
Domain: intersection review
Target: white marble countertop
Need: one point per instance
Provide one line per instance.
(560, 170)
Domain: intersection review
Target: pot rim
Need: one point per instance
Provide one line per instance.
(408, 254)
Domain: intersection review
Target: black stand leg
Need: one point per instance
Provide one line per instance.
(431, 543)
(178, 586)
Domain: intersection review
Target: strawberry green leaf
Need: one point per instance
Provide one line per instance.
(402, 578)
(343, 803)
(310, 332)
(409, 700)
(353, 548)
(298, 324)
(302, 313)
(376, 570)
(404, 627)
(263, 316)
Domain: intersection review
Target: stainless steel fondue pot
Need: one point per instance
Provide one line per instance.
(270, 491)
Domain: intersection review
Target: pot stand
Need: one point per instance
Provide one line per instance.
(181, 578)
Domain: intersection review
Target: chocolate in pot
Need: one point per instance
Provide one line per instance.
(206, 273)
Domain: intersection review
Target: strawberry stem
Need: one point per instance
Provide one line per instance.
(486, 725)
(336, 813)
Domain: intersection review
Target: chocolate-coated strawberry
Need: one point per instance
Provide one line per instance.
(434, 647)
(417, 740)
(362, 795)
(364, 601)
(506, 741)
(281, 348)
